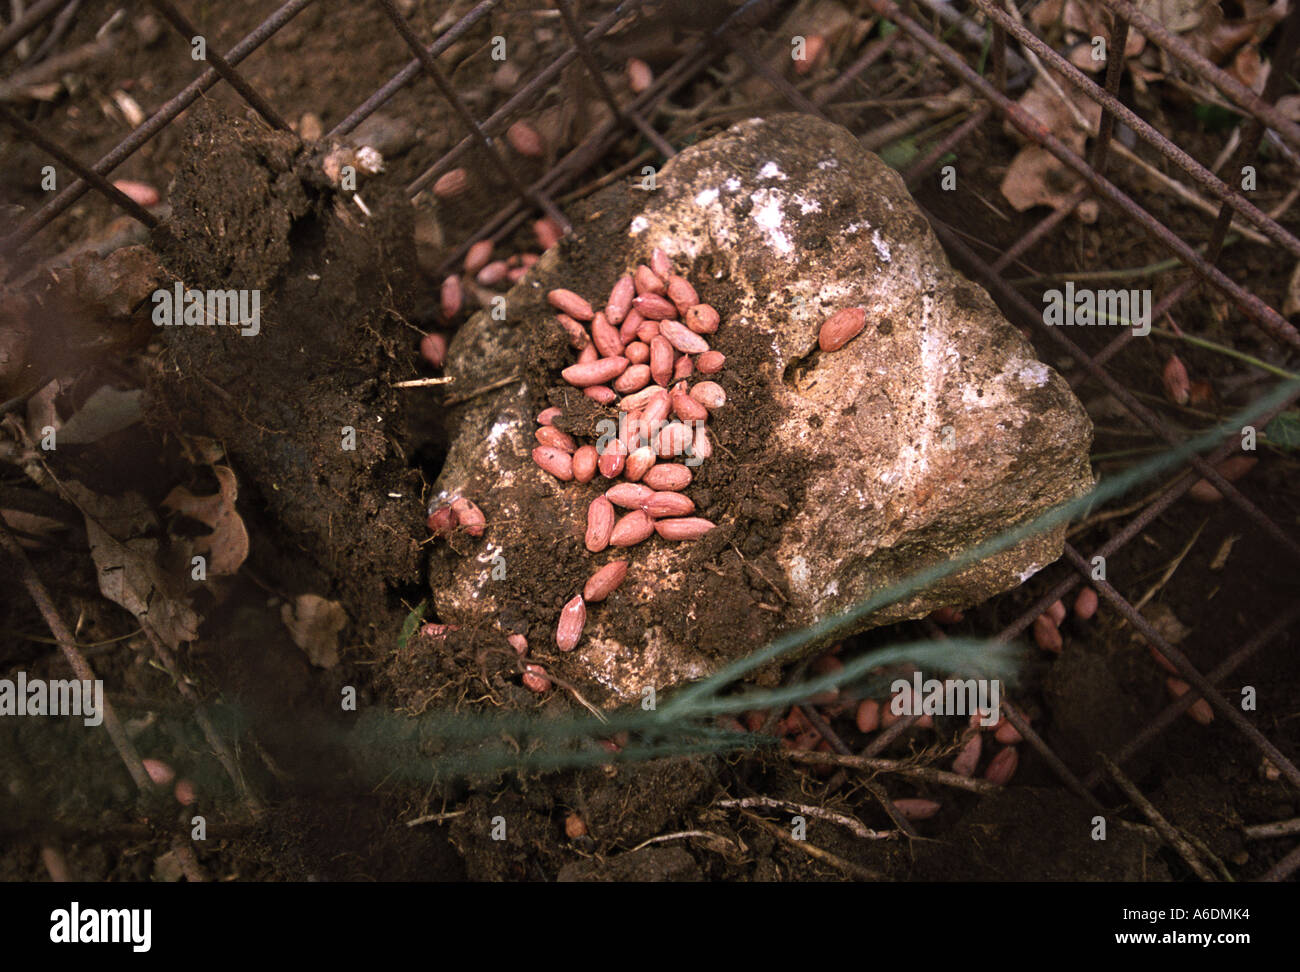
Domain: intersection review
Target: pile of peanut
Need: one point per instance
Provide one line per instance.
(643, 352)
(639, 354)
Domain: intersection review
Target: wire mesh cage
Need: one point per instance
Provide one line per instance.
(940, 90)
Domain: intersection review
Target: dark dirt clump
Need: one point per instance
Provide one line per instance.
(250, 213)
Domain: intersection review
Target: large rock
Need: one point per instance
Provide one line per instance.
(836, 474)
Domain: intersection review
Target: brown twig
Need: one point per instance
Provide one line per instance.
(80, 667)
(876, 765)
(681, 834)
(826, 857)
(219, 747)
(1277, 828)
(422, 382)
(1166, 830)
(475, 392)
(851, 823)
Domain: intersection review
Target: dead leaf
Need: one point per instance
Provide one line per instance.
(226, 547)
(1072, 15)
(1081, 57)
(125, 542)
(30, 525)
(1181, 16)
(1061, 116)
(106, 411)
(1218, 42)
(314, 624)
(1083, 19)
(1046, 13)
(117, 283)
(1036, 177)
(1249, 69)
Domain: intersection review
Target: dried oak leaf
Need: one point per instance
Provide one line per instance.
(124, 543)
(226, 547)
(1180, 16)
(1035, 177)
(314, 624)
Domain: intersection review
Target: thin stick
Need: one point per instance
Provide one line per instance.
(80, 667)
(1160, 266)
(815, 852)
(219, 748)
(436, 817)
(1228, 352)
(853, 824)
(1105, 515)
(681, 834)
(878, 765)
(422, 382)
(567, 686)
(1184, 193)
(474, 393)
(1166, 830)
(1278, 828)
(1169, 572)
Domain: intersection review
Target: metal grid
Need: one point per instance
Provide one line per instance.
(733, 33)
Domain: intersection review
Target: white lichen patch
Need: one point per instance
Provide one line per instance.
(1024, 575)
(807, 205)
(497, 432)
(707, 198)
(937, 355)
(732, 184)
(768, 218)
(772, 171)
(639, 225)
(798, 573)
(882, 248)
(1034, 374)
(825, 164)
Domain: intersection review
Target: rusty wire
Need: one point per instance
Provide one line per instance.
(636, 116)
